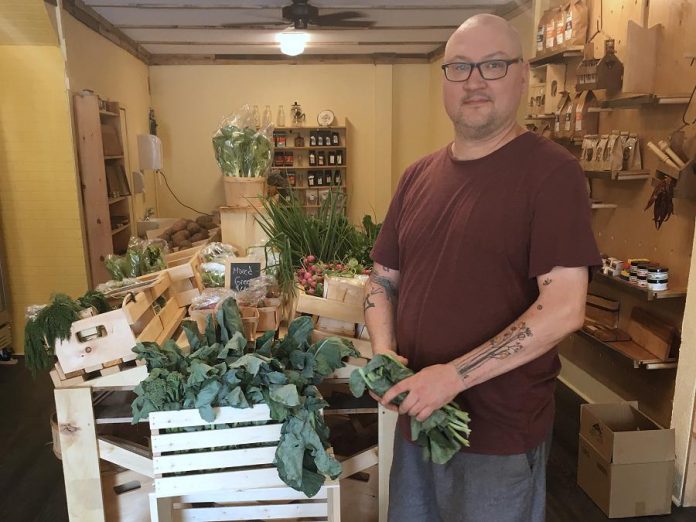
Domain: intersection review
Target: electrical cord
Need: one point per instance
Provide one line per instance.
(160, 172)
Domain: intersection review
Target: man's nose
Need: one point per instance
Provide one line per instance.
(475, 81)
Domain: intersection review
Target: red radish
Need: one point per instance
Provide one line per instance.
(311, 259)
(311, 291)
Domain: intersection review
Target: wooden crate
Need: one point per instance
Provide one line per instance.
(241, 482)
(183, 268)
(119, 375)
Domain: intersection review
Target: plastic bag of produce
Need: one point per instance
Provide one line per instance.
(213, 274)
(216, 250)
(256, 292)
(209, 298)
(240, 149)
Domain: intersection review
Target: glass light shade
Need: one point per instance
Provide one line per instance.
(292, 43)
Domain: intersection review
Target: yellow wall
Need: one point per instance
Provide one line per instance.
(97, 64)
(191, 101)
(39, 196)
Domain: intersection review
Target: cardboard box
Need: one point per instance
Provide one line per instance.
(625, 461)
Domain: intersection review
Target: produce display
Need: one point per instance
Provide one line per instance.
(283, 374)
(46, 324)
(327, 236)
(185, 232)
(213, 257)
(441, 435)
(311, 276)
(240, 149)
(142, 257)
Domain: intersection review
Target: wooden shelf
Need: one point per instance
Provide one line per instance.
(308, 128)
(113, 157)
(649, 295)
(560, 55)
(116, 200)
(120, 229)
(330, 147)
(619, 175)
(107, 113)
(313, 167)
(541, 116)
(319, 187)
(600, 206)
(638, 101)
(639, 356)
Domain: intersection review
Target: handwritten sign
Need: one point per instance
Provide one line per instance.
(240, 271)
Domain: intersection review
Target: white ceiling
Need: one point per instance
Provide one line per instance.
(201, 28)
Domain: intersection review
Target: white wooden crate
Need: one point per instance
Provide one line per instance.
(242, 482)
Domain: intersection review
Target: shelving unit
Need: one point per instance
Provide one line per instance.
(557, 56)
(650, 295)
(106, 193)
(640, 357)
(619, 175)
(311, 195)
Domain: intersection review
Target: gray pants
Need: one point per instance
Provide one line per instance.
(469, 488)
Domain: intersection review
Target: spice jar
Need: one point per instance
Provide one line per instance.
(658, 273)
(658, 285)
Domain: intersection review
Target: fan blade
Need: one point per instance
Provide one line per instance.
(341, 15)
(347, 23)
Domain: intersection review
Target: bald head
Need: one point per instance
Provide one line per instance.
(489, 27)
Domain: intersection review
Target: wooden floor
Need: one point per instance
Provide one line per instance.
(31, 481)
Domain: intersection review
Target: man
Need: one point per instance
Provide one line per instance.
(480, 270)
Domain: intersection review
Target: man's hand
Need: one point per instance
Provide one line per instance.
(428, 390)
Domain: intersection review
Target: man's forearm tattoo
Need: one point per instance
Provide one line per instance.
(508, 343)
(380, 285)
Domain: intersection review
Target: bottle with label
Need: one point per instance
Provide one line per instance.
(313, 139)
(292, 180)
(335, 139)
(320, 179)
(321, 159)
(332, 157)
(299, 141)
(320, 139)
(311, 179)
(312, 158)
(337, 177)
(339, 157)
(280, 119)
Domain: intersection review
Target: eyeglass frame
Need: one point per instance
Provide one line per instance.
(477, 65)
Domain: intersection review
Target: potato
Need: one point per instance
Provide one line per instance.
(180, 236)
(179, 225)
(185, 244)
(201, 220)
(194, 228)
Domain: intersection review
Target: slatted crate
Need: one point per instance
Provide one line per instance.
(240, 481)
(183, 268)
(101, 346)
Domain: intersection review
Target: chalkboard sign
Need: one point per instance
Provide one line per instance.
(239, 271)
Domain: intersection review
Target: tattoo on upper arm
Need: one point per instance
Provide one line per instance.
(506, 344)
(380, 285)
(547, 282)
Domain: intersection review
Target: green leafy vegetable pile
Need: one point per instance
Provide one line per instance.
(441, 435)
(242, 151)
(141, 257)
(282, 374)
(46, 325)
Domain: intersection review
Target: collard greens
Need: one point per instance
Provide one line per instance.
(282, 374)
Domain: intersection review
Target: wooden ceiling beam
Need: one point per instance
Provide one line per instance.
(88, 16)
(279, 59)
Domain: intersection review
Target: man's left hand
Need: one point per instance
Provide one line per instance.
(428, 390)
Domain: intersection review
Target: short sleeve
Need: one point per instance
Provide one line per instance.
(386, 249)
(561, 229)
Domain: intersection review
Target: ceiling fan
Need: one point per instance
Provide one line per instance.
(302, 14)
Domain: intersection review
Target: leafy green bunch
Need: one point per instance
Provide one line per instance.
(242, 151)
(282, 374)
(441, 435)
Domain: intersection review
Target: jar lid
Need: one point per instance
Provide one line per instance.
(658, 269)
(643, 266)
(642, 277)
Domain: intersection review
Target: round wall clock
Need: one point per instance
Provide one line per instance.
(325, 118)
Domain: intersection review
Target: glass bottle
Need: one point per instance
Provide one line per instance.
(256, 116)
(280, 119)
(267, 116)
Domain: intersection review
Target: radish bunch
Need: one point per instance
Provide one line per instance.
(311, 275)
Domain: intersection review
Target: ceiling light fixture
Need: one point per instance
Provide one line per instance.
(292, 42)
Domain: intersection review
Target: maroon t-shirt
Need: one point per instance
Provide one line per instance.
(469, 238)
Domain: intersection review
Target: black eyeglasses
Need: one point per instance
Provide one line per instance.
(489, 70)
